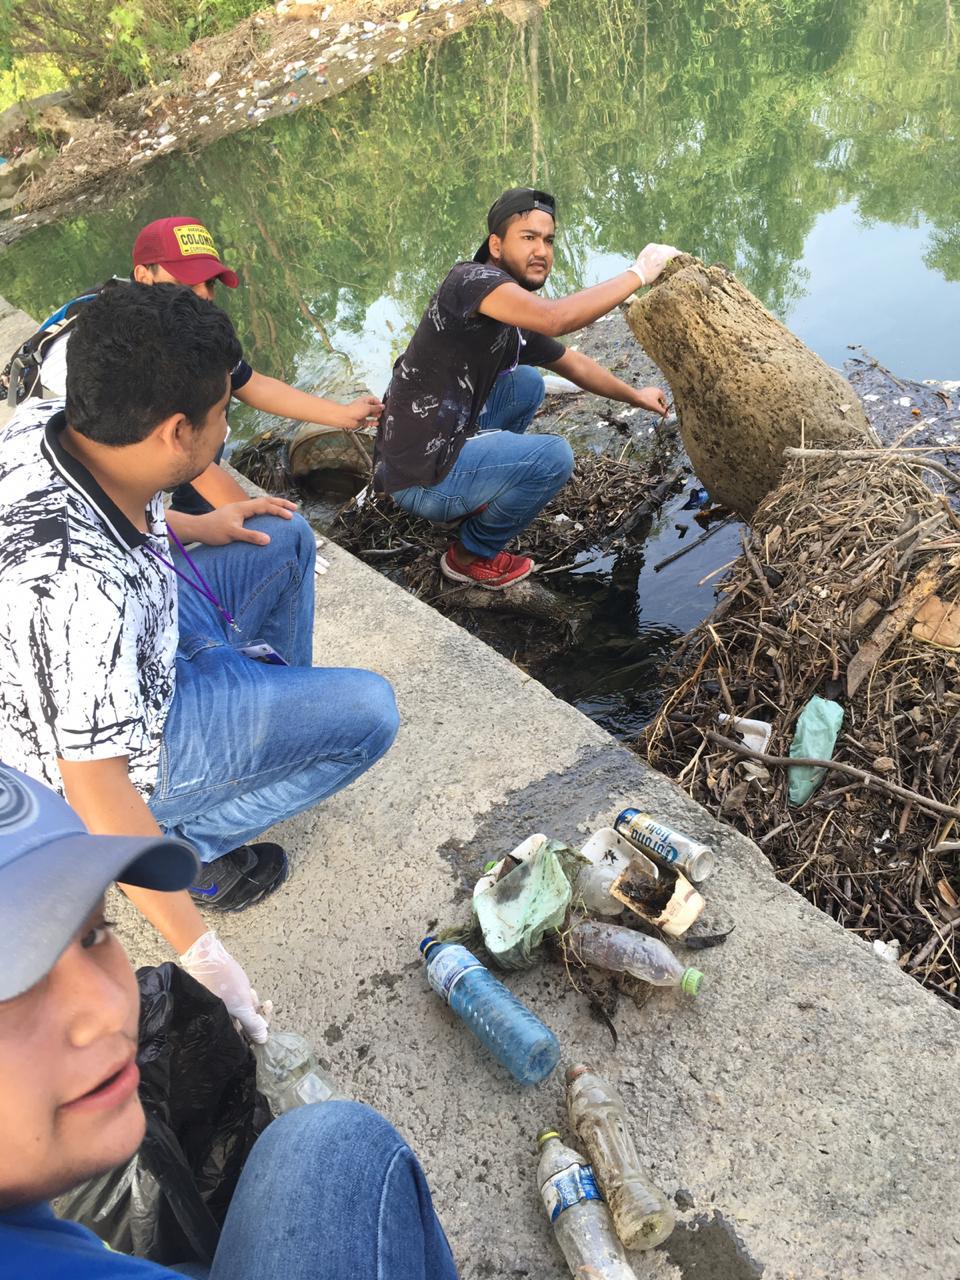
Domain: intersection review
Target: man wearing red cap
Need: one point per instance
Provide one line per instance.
(181, 250)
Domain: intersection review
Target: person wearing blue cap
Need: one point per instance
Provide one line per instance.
(329, 1191)
(451, 444)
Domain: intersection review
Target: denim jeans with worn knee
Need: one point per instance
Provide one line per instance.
(513, 476)
(246, 745)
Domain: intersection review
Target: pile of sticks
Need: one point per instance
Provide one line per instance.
(601, 505)
(824, 600)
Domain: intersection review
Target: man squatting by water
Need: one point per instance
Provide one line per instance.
(451, 445)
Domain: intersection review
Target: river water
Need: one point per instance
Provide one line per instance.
(812, 145)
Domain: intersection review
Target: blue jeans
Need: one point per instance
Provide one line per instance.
(246, 745)
(512, 475)
(331, 1192)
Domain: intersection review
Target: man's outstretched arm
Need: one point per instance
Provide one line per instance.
(510, 304)
(270, 395)
(594, 377)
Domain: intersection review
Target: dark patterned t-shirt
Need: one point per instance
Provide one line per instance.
(88, 616)
(443, 379)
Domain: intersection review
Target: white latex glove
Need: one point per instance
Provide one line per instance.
(652, 260)
(210, 963)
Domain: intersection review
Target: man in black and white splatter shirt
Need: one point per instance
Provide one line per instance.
(142, 704)
(451, 444)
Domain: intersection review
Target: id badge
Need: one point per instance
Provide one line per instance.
(260, 651)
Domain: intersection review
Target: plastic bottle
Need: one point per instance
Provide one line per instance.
(288, 1074)
(581, 1221)
(517, 1038)
(611, 946)
(641, 1213)
(593, 888)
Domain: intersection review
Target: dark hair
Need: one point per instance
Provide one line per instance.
(141, 353)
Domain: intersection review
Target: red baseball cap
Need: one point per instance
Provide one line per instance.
(185, 248)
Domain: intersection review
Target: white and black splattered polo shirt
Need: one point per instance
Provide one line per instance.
(88, 617)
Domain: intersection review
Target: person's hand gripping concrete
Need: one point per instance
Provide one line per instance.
(210, 963)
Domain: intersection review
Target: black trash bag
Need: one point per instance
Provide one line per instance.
(198, 1089)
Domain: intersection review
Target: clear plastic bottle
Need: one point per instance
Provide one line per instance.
(517, 1038)
(641, 1212)
(593, 888)
(581, 1221)
(288, 1074)
(611, 946)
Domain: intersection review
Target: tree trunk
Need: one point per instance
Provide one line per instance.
(744, 386)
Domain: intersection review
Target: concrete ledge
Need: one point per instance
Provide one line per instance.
(804, 1105)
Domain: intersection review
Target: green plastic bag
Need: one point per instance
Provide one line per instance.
(516, 911)
(816, 735)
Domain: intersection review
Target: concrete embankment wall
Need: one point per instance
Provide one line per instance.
(802, 1109)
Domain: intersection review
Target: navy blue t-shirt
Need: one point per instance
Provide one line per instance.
(36, 1245)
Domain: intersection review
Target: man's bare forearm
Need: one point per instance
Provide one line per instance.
(101, 793)
(556, 316)
(586, 373)
(270, 395)
(218, 487)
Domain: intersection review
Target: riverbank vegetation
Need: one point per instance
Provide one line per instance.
(728, 129)
(101, 50)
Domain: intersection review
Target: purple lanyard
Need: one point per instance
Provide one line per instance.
(201, 585)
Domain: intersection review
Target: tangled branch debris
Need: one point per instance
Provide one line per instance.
(845, 561)
(597, 507)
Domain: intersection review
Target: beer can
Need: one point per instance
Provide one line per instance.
(697, 860)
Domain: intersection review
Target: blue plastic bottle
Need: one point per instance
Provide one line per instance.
(517, 1038)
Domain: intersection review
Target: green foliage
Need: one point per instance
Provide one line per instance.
(27, 78)
(724, 127)
(104, 49)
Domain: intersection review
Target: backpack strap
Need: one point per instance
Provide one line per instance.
(22, 375)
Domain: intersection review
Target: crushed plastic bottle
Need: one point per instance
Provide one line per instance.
(641, 1213)
(611, 946)
(516, 1037)
(580, 1219)
(288, 1074)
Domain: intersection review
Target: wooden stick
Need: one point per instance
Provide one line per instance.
(880, 454)
(867, 779)
(754, 564)
(662, 564)
(897, 618)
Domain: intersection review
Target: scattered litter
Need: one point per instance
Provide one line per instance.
(888, 951)
(754, 734)
(577, 1212)
(642, 1215)
(213, 78)
(288, 1074)
(622, 950)
(814, 737)
(528, 897)
(515, 1036)
(668, 847)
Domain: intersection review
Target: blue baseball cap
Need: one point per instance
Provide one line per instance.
(53, 872)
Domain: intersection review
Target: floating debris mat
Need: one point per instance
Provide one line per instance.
(847, 593)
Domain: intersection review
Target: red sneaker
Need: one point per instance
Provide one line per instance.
(493, 574)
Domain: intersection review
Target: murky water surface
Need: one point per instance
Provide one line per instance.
(813, 145)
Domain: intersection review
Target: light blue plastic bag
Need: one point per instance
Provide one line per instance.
(816, 735)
